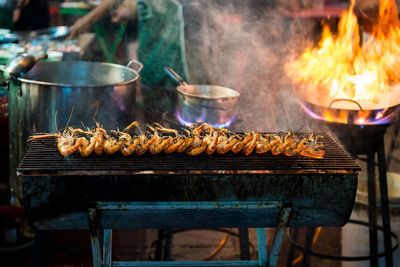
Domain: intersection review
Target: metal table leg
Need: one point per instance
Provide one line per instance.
(40, 248)
(309, 238)
(262, 247)
(95, 237)
(168, 245)
(292, 249)
(107, 248)
(278, 238)
(373, 237)
(244, 243)
(385, 204)
(159, 245)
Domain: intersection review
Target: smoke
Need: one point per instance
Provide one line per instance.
(245, 45)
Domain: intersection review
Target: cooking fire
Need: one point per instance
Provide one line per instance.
(345, 73)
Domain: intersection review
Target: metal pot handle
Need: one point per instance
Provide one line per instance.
(175, 76)
(136, 63)
(3, 81)
(346, 100)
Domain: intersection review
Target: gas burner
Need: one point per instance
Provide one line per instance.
(169, 120)
(226, 124)
(357, 139)
(174, 120)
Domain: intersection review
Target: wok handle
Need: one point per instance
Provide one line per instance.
(171, 73)
(346, 100)
(139, 66)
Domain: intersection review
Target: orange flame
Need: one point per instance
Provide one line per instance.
(344, 68)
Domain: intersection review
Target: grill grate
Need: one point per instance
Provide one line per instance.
(42, 156)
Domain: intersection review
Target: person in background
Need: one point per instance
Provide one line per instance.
(6, 12)
(160, 39)
(32, 15)
(86, 22)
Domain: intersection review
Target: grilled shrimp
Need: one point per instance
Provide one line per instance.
(194, 151)
(266, 142)
(86, 147)
(212, 142)
(226, 144)
(249, 147)
(162, 129)
(132, 125)
(185, 145)
(99, 134)
(144, 144)
(313, 149)
(160, 144)
(111, 145)
(67, 144)
(242, 143)
(129, 148)
(126, 143)
(198, 138)
(281, 147)
(175, 144)
(292, 146)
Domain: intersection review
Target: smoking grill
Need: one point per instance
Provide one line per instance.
(106, 192)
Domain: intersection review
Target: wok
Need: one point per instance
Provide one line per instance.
(315, 102)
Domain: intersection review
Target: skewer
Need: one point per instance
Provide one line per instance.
(194, 140)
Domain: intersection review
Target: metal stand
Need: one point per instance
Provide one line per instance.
(369, 142)
(165, 250)
(379, 149)
(244, 243)
(102, 244)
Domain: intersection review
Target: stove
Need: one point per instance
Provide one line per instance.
(167, 191)
(366, 142)
(322, 191)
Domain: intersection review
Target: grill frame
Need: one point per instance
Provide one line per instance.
(59, 192)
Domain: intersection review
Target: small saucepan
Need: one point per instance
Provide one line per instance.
(213, 104)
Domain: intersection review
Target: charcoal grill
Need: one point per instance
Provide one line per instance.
(178, 191)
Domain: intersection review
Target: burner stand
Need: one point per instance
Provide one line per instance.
(369, 140)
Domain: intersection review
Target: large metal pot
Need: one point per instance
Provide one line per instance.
(51, 92)
(207, 103)
(43, 99)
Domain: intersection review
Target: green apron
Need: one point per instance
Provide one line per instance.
(161, 40)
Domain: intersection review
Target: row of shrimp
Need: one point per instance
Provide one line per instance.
(193, 140)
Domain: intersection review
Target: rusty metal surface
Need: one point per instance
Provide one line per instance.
(62, 201)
